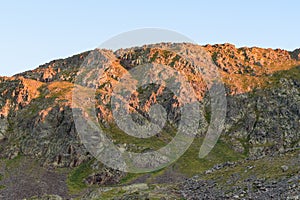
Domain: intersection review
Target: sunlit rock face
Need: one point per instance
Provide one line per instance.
(262, 88)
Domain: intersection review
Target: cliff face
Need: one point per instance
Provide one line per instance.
(262, 87)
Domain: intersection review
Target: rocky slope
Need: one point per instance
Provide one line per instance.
(262, 124)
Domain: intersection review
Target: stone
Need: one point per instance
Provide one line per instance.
(284, 168)
(1, 136)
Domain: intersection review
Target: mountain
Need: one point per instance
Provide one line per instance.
(256, 157)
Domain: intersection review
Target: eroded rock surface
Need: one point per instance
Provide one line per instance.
(263, 103)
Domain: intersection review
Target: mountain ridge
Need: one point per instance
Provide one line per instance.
(262, 122)
(295, 54)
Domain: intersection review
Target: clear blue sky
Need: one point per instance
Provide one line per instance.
(34, 32)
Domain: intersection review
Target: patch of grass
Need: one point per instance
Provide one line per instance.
(43, 90)
(75, 180)
(152, 143)
(268, 168)
(11, 163)
(129, 178)
(111, 194)
(133, 176)
(190, 163)
(293, 73)
(2, 187)
(207, 114)
(214, 57)
(60, 89)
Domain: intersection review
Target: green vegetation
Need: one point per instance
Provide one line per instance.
(268, 167)
(141, 144)
(43, 90)
(11, 163)
(190, 164)
(129, 178)
(174, 60)
(76, 178)
(32, 110)
(245, 144)
(166, 54)
(214, 56)
(60, 91)
(69, 74)
(293, 74)
(110, 194)
(152, 59)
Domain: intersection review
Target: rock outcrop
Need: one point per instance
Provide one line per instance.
(262, 87)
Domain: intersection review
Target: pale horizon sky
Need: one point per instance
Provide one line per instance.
(33, 32)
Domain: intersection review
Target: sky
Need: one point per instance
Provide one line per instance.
(35, 32)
